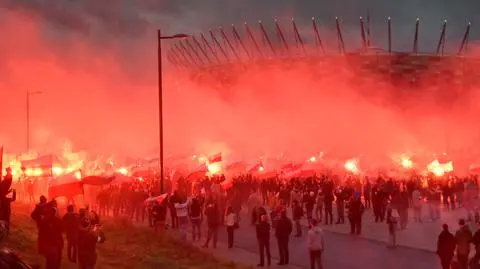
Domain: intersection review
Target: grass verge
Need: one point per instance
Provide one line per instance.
(127, 246)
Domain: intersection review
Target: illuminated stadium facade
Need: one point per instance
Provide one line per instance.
(223, 54)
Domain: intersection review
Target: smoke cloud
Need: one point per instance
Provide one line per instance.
(95, 65)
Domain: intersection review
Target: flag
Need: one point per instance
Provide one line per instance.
(119, 179)
(290, 168)
(175, 176)
(215, 158)
(236, 168)
(67, 186)
(256, 168)
(302, 173)
(45, 163)
(97, 180)
(198, 173)
(159, 198)
(266, 175)
(1, 162)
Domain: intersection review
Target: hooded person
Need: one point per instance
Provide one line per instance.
(50, 240)
(445, 247)
(88, 237)
(71, 223)
(6, 183)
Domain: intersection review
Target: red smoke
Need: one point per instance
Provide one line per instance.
(102, 97)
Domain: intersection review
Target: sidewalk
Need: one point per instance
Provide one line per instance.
(239, 256)
(421, 236)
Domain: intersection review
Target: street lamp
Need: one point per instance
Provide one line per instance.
(160, 99)
(29, 93)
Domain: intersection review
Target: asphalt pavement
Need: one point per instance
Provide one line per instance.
(342, 251)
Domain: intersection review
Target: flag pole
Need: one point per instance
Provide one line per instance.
(1, 163)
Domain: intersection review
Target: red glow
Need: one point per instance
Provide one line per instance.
(103, 100)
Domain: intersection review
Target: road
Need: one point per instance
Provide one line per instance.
(343, 252)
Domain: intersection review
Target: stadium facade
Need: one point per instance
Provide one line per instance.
(222, 54)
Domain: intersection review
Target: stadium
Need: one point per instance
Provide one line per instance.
(223, 54)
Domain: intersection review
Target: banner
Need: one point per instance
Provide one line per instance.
(44, 164)
(68, 185)
(215, 158)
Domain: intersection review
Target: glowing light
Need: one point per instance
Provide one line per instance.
(406, 162)
(352, 166)
(440, 169)
(261, 169)
(214, 168)
(78, 175)
(34, 172)
(123, 171)
(312, 159)
(56, 170)
(201, 159)
(140, 179)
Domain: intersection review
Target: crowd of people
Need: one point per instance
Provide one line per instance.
(281, 205)
(81, 230)
(276, 207)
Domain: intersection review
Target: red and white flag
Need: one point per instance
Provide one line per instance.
(44, 162)
(290, 168)
(198, 173)
(215, 158)
(68, 185)
(256, 168)
(159, 198)
(175, 176)
(236, 168)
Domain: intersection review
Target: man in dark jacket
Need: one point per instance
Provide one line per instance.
(6, 183)
(213, 221)
(445, 247)
(282, 232)
(6, 209)
(88, 237)
(50, 240)
(159, 215)
(263, 237)
(355, 212)
(175, 198)
(297, 216)
(71, 224)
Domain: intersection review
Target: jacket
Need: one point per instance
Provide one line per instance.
(284, 228)
(263, 231)
(315, 239)
(446, 244)
(463, 237)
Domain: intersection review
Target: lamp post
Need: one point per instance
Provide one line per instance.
(29, 93)
(160, 100)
